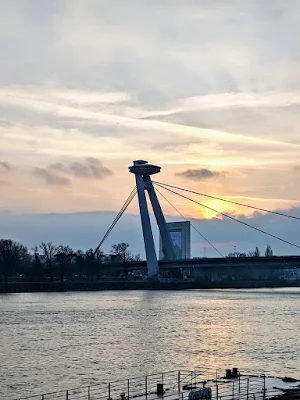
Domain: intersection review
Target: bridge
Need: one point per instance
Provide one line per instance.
(195, 267)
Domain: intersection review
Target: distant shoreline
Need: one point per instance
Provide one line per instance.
(32, 287)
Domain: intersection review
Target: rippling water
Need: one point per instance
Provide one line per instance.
(56, 341)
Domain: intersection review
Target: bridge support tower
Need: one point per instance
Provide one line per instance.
(143, 170)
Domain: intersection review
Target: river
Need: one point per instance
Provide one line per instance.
(52, 341)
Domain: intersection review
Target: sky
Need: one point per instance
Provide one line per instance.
(209, 90)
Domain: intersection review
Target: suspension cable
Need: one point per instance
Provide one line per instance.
(119, 215)
(229, 216)
(195, 229)
(230, 201)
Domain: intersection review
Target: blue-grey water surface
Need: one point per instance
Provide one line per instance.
(52, 341)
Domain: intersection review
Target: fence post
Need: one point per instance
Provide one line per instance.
(179, 381)
(67, 395)
(109, 391)
(128, 389)
(248, 389)
(146, 385)
(43, 397)
(89, 393)
(264, 387)
(217, 389)
(233, 390)
(162, 378)
(217, 392)
(239, 383)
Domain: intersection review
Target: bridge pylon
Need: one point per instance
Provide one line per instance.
(142, 170)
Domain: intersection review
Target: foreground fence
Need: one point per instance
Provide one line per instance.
(177, 385)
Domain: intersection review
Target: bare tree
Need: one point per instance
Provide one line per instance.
(64, 256)
(137, 257)
(121, 250)
(79, 263)
(269, 251)
(37, 267)
(49, 252)
(254, 253)
(257, 252)
(237, 254)
(93, 261)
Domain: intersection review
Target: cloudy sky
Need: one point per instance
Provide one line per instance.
(208, 89)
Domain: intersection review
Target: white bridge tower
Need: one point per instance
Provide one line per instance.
(142, 171)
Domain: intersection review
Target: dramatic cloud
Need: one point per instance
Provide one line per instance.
(200, 174)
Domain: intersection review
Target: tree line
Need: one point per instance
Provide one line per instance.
(57, 263)
(253, 253)
(50, 262)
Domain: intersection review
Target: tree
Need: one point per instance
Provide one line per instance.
(79, 263)
(121, 250)
(137, 257)
(99, 256)
(93, 262)
(237, 254)
(13, 256)
(49, 251)
(269, 251)
(37, 266)
(254, 253)
(64, 256)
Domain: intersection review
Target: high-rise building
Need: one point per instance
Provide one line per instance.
(180, 233)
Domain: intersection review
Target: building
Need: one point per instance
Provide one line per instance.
(180, 233)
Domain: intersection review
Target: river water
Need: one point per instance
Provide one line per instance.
(54, 341)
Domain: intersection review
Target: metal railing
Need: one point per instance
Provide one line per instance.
(177, 385)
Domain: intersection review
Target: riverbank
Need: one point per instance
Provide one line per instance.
(23, 287)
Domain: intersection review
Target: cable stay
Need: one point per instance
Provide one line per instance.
(195, 229)
(227, 216)
(119, 215)
(230, 201)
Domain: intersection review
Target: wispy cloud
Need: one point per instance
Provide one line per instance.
(61, 174)
(7, 172)
(89, 168)
(7, 167)
(50, 177)
(108, 118)
(229, 100)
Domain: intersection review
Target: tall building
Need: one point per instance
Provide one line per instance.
(180, 233)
